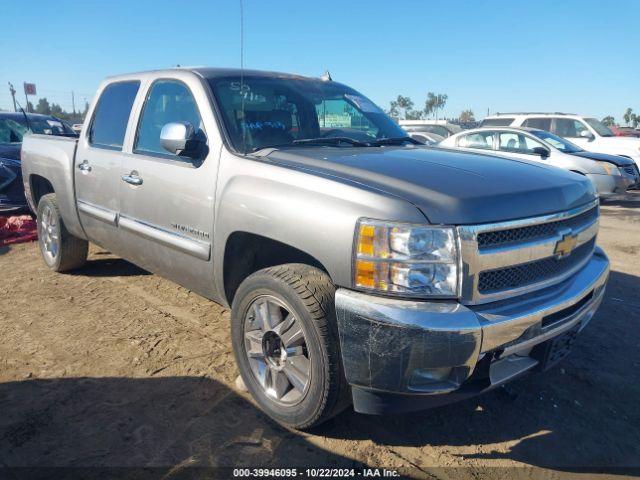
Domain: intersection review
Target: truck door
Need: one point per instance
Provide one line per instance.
(167, 200)
(98, 163)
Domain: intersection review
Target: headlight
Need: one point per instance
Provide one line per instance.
(610, 168)
(400, 258)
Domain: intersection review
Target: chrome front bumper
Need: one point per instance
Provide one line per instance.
(399, 355)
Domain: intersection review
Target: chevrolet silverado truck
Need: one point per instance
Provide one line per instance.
(359, 267)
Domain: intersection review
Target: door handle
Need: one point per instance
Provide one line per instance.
(132, 178)
(84, 166)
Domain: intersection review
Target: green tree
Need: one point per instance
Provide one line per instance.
(635, 120)
(628, 116)
(434, 103)
(43, 106)
(466, 116)
(609, 121)
(401, 107)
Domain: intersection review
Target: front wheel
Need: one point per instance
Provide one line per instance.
(286, 344)
(60, 250)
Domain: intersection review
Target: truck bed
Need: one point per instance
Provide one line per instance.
(52, 158)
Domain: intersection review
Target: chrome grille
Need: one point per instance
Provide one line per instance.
(500, 260)
(532, 272)
(531, 232)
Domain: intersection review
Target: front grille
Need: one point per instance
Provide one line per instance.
(533, 272)
(534, 232)
(632, 170)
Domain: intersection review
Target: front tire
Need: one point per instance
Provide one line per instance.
(60, 250)
(286, 344)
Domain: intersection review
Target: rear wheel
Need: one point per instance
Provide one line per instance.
(60, 250)
(286, 344)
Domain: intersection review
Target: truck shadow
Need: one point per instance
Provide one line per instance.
(580, 416)
(109, 267)
(169, 423)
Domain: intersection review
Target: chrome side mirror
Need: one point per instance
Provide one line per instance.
(176, 136)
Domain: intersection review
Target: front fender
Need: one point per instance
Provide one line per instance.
(312, 213)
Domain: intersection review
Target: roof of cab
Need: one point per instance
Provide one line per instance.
(210, 72)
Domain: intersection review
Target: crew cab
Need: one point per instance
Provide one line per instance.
(586, 132)
(358, 265)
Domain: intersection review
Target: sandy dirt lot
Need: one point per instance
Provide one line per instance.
(113, 366)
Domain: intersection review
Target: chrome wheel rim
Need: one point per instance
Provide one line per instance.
(49, 234)
(276, 348)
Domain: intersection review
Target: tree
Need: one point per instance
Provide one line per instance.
(466, 116)
(628, 116)
(43, 106)
(635, 120)
(608, 121)
(434, 103)
(401, 107)
(29, 106)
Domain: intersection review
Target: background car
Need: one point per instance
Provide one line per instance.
(13, 126)
(424, 136)
(442, 128)
(625, 131)
(587, 132)
(609, 174)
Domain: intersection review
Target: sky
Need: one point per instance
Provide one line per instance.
(578, 56)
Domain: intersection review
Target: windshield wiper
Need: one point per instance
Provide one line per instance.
(330, 141)
(395, 141)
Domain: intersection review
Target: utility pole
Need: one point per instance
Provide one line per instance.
(13, 96)
(26, 97)
(73, 103)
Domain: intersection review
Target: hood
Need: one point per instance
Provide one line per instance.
(631, 143)
(10, 150)
(603, 157)
(449, 187)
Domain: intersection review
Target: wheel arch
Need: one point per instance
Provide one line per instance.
(246, 253)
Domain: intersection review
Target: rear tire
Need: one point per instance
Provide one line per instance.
(286, 344)
(60, 250)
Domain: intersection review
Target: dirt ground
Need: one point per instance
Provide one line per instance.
(113, 366)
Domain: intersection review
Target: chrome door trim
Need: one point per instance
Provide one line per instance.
(99, 213)
(182, 243)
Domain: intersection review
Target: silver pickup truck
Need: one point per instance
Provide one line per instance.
(359, 266)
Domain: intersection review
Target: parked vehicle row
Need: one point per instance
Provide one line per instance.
(586, 132)
(610, 174)
(359, 266)
(13, 127)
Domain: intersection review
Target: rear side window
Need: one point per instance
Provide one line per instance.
(497, 122)
(112, 115)
(540, 123)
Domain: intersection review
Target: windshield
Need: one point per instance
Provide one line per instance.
(12, 130)
(557, 142)
(599, 127)
(261, 112)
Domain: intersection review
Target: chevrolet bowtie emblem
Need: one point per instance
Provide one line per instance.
(565, 246)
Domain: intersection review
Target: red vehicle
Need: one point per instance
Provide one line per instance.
(625, 131)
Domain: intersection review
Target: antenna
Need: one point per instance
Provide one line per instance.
(242, 92)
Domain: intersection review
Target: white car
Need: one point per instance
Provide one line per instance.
(586, 132)
(609, 174)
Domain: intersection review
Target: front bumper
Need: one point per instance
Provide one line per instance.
(607, 185)
(404, 355)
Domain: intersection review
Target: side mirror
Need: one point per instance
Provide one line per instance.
(586, 134)
(176, 137)
(543, 152)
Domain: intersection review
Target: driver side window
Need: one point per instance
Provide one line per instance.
(167, 101)
(567, 127)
